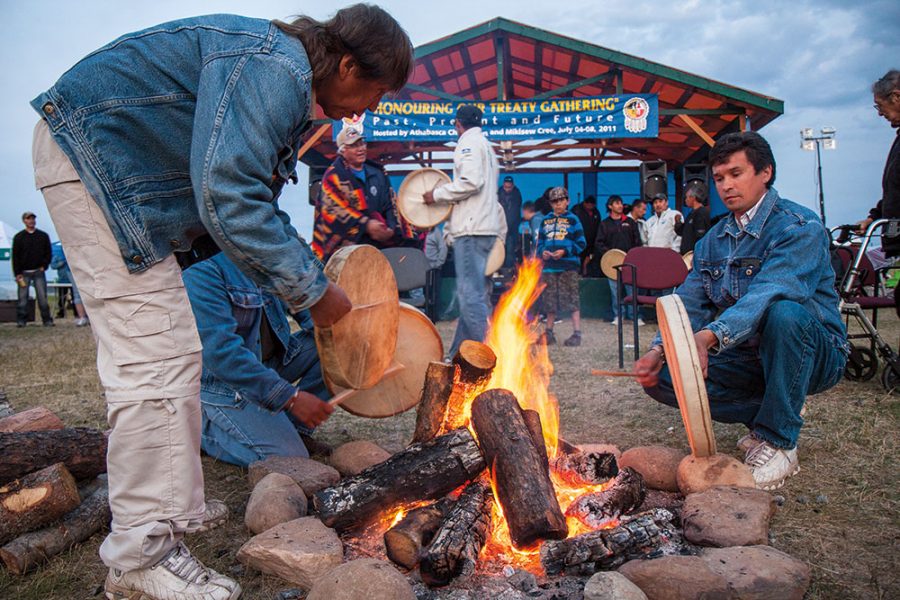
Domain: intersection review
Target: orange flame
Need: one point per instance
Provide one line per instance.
(523, 365)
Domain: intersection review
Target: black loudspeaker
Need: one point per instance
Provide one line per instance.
(653, 179)
(315, 184)
(696, 172)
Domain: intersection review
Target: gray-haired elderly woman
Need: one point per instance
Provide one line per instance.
(165, 134)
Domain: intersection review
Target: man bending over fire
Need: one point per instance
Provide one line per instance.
(762, 304)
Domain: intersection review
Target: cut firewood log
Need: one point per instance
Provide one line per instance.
(625, 493)
(403, 543)
(421, 472)
(33, 419)
(83, 451)
(646, 535)
(32, 549)
(35, 500)
(432, 407)
(474, 364)
(585, 468)
(455, 547)
(519, 470)
(533, 422)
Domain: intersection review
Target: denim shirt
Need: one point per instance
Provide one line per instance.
(783, 254)
(189, 127)
(228, 308)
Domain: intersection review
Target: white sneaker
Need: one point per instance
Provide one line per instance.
(81, 322)
(178, 576)
(748, 443)
(641, 323)
(614, 322)
(215, 515)
(771, 466)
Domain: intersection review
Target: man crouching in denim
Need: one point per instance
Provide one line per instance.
(251, 408)
(761, 300)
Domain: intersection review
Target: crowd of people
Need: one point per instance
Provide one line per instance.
(205, 359)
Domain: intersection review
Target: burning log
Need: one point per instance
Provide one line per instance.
(83, 451)
(433, 406)
(454, 550)
(404, 541)
(625, 493)
(474, 364)
(647, 535)
(35, 500)
(522, 480)
(35, 548)
(585, 468)
(421, 472)
(33, 419)
(533, 422)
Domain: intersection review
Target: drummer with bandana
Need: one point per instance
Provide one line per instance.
(764, 312)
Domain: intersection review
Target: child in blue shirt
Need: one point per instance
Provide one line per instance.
(560, 243)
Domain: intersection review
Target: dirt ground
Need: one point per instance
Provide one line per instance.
(840, 513)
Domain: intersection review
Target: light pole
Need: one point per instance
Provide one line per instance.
(812, 141)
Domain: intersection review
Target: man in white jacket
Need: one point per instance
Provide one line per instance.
(661, 226)
(476, 221)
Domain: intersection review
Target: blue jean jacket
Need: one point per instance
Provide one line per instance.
(783, 254)
(194, 126)
(228, 308)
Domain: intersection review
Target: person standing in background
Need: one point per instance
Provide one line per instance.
(617, 232)
(31, 256)
(661, 226)
(697, 223)
(510, 199)
(587, 213)
(637, 212)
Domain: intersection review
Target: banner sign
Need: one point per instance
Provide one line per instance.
(621, 116)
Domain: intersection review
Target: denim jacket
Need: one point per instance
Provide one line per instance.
(188, 127)
(228, 308)
(783, 254)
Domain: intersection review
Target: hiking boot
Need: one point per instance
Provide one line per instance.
(216, 514)
(549, 338)
(573, 340)
(178, 576)
(748, 443)
(771, 466)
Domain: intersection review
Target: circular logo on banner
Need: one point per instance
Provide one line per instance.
(636, 111)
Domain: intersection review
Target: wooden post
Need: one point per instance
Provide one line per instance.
(432, 408)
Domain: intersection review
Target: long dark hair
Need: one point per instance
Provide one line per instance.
(379, 46)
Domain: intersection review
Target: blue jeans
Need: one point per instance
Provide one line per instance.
(765, 387)
(245, 432)
(614, 299)
(472, 288)
(39, 279)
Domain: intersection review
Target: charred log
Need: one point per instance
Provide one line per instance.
(432, 409)
(421, 472)
(533, 422)
(32, 549)
(625, 493)
(36, 500)
(82, 450)
(521, 476)
(647, 535)
(585, 468)
(403, 543)
(474, 364)
(454, 550)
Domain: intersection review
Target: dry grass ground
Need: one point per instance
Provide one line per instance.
(840, 513)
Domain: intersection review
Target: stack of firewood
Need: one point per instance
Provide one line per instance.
(43, 509)
(446, 463)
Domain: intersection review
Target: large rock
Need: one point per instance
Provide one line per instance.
(657, 464)
(676, 578)
(612, 585)
(354, 457)
(276, 499)
(363, 579)
(309, 474)
(300, 551)
(728, 516)
(697, 474)
(759, 572)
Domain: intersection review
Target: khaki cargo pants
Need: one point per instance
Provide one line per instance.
(148, 358)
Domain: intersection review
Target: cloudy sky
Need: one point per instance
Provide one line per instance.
(820, 57)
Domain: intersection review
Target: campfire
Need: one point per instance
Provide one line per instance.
(487, 481)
